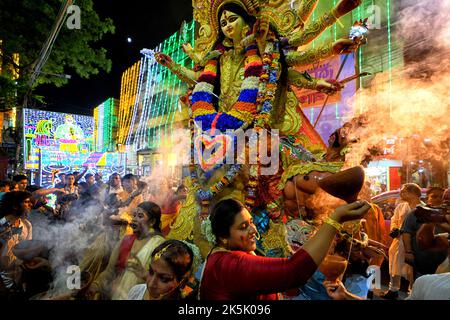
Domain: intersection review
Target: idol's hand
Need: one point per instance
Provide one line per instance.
(190, 52)
(163, 59)
(345, 6)
(345, 46)
(352, 211)
(328, 86)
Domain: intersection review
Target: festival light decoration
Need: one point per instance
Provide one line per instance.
(128, 94)
(45, 131)
(105, 119)
(383, 60)
(150, 97)
(388, 9)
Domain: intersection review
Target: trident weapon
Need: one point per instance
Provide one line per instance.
(357, 31)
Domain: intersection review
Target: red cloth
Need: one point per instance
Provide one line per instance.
(239, 275)
(124, 251)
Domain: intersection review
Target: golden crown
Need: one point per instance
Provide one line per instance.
(281, 16)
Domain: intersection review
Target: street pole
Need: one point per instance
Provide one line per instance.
(35, 71)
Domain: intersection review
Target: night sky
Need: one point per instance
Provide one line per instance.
(147, 22)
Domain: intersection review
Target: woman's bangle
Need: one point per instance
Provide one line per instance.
(334, 223)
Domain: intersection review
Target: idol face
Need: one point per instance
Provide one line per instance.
(232, 25)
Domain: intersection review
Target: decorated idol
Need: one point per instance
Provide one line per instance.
(250, 140)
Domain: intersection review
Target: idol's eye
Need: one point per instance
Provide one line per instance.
(233, 19)
(223, 23)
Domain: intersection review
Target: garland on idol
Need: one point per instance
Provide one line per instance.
(253, 107)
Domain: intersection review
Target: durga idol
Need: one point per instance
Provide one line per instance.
(245, 58)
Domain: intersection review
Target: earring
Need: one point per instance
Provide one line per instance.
(257, 236)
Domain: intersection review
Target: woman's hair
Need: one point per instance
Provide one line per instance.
(222, 216)
(130, 176)
(437, 190)
(111, 177)
(413, 188)
(153, 211)
(177, 255)
(11, 202)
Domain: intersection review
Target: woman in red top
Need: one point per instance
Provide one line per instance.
(232, 270)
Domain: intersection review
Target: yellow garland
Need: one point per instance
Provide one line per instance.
(305, 168)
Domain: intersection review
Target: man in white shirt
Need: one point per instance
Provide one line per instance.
(431, 287)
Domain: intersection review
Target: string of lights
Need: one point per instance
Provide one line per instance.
(148, 120)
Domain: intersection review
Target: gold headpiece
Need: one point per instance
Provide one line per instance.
(159, 254)
(251, 6)
(278, 12)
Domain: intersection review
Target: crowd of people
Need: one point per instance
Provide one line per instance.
(126, 252)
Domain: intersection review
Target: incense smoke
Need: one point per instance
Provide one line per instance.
(411, 104)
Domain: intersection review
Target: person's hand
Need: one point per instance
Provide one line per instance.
(409, 258)
(36, 263)
(345, 6)
(429, 215)
(328, 86)
(92, 291)
(135, 265)
(336, 289)
(163, 59)
(344, 46)
(352, 211)
(5, 235)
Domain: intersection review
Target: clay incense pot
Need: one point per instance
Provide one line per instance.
(333, 267)
(344, 185)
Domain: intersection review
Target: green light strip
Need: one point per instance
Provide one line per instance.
(388, 4)
(335, 38)
(360, 65)
(172, 84)
(155, 106)
(335, 25)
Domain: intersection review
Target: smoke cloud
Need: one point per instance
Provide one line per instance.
(410, 104)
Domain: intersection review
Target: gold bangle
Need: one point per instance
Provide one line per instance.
(333, 13)
(334, 224)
